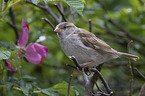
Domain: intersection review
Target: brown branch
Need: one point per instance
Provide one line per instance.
(119, 26)
(109, 91)
(45, 8)
(90, 25)
(60, 11)
(139, 73)
(126, 32)
(47, 21)
(90, 83)
(70, 79)
(142, 89)
(72, 12)
(61, 8)
(102, 5)
(13, 24)
(131, 72)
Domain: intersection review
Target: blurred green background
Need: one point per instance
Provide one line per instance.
(130, 14)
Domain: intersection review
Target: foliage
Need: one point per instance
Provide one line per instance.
(51, 76)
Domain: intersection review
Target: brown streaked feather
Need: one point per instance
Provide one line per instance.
(90, 40)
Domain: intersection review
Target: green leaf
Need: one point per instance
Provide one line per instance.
(8, 45)
(35, 1)
(77, 5)
(63, 87)
(15, 62)
(25, 89)
(50, 92)
(4, 54)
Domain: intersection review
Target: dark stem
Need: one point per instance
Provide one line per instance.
(61, 8)
(95, 77)
(139, 73)
(75, 62)
(13, 24)
(103, 80)
(45, 8)
(70, 79)
(118, 25)
(126, 31)
(131, 72)
(72, 12)
(47, 21)
(141, 90)
(90, 25)
(61, 12)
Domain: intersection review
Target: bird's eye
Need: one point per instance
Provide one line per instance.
(65, 27)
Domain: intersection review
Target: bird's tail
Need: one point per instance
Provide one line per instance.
(130, 56)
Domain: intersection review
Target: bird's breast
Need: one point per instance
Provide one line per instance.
(74, 47)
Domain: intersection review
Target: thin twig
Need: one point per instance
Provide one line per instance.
(13, 24)
(60, 11)
(90, 25)
(141, 2)
(99, 88)
(61, 8)
(131, 72)
(69, 84)
(45, 8)
(95, 77)
(72, 12)
(142, 89)
(75, 62)
(119, 26)
(139, 73)
(103, 81)
(102, 5)
(21, 90)
(88, 91)
(126, 31)
(46, 20)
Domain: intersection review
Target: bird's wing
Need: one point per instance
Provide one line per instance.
(90, 40)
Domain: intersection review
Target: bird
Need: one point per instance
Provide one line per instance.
(88, 49)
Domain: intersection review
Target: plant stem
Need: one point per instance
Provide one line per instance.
(4, 72)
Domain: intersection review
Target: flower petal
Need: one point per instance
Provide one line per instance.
(8, 65)
(42, 50)
(32, 55)
(23, 39)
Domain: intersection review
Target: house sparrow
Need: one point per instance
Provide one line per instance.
(85, 46)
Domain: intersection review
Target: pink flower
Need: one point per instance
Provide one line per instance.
(34, 53)
(8, 65)
(23, 39)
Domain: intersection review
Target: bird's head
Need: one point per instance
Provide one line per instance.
(64, 29)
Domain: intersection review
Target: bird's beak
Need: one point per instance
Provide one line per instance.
(58, 30)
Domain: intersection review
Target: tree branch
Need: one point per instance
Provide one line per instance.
(119, 26)
(47, 21)
(13, 24)
(72, 12)
(126, 31)
(139, 73)
(60, 11)
(131, 72)
(142, 89)
(69, 84)
(90, 25)
(46, 8)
